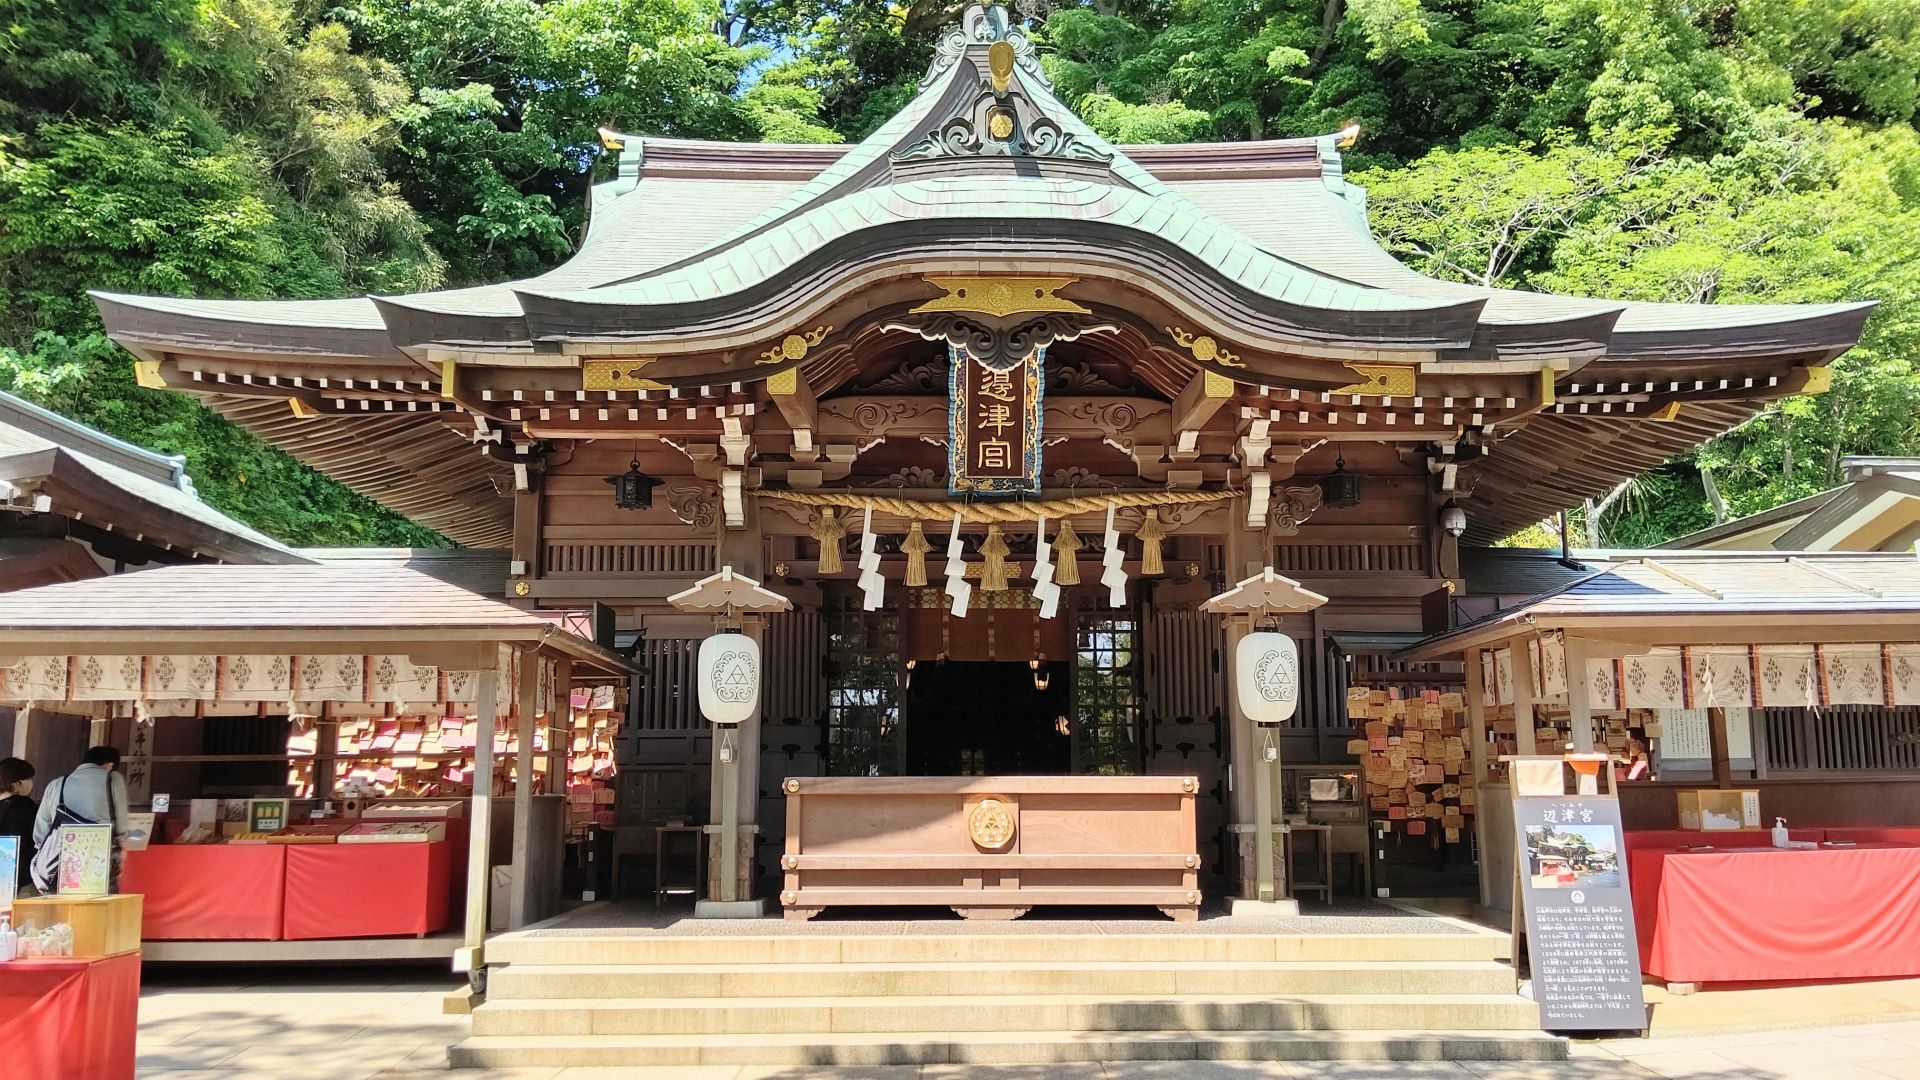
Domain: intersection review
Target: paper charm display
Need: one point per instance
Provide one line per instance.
(957, 586)
(1044, 589)
(86, 860)
(873, 585)
(1114, 577)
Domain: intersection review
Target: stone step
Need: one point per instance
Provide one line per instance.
(563, 1051)
(967, 980)
(745, 1016)
(556, 947)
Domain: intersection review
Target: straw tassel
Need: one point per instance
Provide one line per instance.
(829, 531)
(916, 548)
(993, 572)
(1151, 533)
(1065, 547)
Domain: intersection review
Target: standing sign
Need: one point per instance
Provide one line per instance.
(1572, 867)
(993, 425)
(9, 870)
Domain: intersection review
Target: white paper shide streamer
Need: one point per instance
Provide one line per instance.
(957, 586)
(1044, 588)
(1114, 577)
(872, 583)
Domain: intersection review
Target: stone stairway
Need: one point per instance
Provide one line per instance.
(602, 999)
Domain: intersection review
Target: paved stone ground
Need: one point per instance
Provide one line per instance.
(356, 1024)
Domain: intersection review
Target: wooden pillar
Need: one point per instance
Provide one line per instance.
(734, 799)
(1478, 755)
(326, 735)
(528, 704)
(1524, 721)
(1580, 708)
(1717, 744)
(480, 818)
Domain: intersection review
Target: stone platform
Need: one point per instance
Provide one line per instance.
(629, 986)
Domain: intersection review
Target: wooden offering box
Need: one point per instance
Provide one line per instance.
(991, 847)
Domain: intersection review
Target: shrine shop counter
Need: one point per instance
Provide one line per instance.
(991, 847)
(69, 1018)
(1753, 913)
(291, 892)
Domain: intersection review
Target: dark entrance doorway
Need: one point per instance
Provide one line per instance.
(976, 718)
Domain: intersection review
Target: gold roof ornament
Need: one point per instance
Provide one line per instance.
(618, 375)
(1380, 380)
(1000, 65)
(794, 346)
(1204, 348)
(999, 296)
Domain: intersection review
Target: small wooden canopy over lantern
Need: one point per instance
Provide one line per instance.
(728, 666)
(1266, 661)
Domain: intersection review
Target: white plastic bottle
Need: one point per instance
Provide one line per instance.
(9, 941)
(1780, 833)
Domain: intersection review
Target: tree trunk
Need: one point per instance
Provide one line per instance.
(1714, 499)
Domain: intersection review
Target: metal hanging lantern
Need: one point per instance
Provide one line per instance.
(633, 489)
(1340, 487)
(1267, 676)
(729, 678)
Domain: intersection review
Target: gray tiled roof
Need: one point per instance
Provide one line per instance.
(135, 475)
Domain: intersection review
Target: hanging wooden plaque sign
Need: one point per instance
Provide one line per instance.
(993, 425)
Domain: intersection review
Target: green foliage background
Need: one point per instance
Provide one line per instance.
(1758, 151)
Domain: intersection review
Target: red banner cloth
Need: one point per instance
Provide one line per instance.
(366, 890)
(208, 892)
(1778, 914)
(67, 1019)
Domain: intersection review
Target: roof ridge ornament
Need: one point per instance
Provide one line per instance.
(984, 24)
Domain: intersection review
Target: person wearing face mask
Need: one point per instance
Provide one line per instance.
(17, 811)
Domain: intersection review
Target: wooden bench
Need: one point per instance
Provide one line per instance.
(991, 847)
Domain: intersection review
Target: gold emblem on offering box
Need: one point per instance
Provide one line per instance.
(990, 824)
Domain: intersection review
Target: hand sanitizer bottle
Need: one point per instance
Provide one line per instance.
(9, 941)
(1780, 833)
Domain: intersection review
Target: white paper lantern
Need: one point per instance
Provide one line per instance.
(1267, 671)
(729, 678)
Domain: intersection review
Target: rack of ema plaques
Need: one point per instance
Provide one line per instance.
(991, 847)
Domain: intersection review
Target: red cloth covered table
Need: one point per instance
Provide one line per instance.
(66, 1019)
(365, 890)
(208, 892)
(1766, 914)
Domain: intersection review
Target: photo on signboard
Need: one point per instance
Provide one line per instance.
(1573, 856)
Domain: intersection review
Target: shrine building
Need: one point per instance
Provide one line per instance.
(979, 426)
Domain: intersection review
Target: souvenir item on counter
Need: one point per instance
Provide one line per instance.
(86, 860)
(249, 838)
(394, 832)
(317, 833)
(139, 832)
(267, 815)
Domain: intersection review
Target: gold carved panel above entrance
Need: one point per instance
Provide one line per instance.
(1000, 295)
(617, 375)
(1380, 380)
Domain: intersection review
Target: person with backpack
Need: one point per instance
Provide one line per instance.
(92, 794)
(17, 813)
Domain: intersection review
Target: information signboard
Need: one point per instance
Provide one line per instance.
(1572, 867)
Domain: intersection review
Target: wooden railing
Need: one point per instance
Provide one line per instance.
(1296, 560)
(649, 557)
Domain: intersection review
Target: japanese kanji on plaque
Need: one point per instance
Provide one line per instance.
(1579, 913)
(993, 426)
